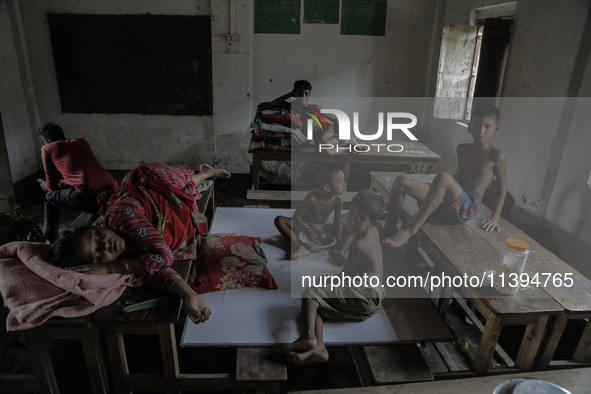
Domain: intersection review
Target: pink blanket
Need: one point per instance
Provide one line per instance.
(35, 290)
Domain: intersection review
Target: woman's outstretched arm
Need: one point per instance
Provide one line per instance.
(195, 306)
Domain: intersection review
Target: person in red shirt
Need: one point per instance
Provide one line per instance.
(73, 176)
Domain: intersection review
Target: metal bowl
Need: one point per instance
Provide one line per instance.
(325, 239)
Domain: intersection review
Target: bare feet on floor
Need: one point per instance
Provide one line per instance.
(299, 252)
(400, 238)
(302, 344)
(317, 355)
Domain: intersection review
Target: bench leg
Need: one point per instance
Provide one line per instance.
(41, 360)
(555, 329)
(118, 358)
(488, 342)
(583, 351)
(170, 358)
(254, 171)
(94, 360)
(530, 344)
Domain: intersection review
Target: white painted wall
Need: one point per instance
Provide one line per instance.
(122, 141)
(394, 65)
(19, 128)
(348, 66)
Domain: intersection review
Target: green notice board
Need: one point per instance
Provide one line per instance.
(321, 11)
(277, 16)
(364, 17)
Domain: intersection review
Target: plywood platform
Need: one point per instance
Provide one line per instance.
(260, 317)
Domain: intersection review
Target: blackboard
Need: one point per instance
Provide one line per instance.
(142, 64)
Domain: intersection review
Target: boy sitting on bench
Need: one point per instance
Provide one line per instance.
(458, 197)
(313, 212)
(347, 302)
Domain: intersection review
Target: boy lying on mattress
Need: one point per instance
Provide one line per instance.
(346, 302)
(152, 220)
(323, 133)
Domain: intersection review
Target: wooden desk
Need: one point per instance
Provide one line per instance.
(576, 380)
(152, 321)
(467, 249)
(418, 157)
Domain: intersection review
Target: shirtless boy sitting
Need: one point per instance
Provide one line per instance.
(347, 302)
(313, 212)
(458, 197)
(323, 134)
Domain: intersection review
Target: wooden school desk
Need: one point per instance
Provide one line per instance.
(418, 157)
(158, 320)
(466, 248)
(575, 380)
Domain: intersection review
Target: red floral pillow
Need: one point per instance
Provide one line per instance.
(231, 261)
(285, 120)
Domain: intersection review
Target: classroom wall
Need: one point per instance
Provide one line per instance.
(121, 141)
(258, 68)
(542, 132)
(18, 118)
(336, 65)
(542, 144)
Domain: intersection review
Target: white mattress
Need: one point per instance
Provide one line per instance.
(262, 317)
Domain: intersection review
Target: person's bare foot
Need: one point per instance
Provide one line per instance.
(400, 238)
(300, 253)
(302, 344)
(317, 355)
(214, 172)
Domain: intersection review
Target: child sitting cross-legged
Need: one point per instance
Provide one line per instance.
(346, 302)
(313, 212)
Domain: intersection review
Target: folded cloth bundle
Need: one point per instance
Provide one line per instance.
(35, 290)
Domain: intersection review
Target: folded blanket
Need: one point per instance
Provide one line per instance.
(281, 129)
(35, 290)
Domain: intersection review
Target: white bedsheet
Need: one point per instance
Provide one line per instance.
(262, 317)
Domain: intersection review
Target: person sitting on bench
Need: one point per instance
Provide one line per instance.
(151, 221)
(300, 107)
(346, 302)
(83, 176)
(313, 212)
(458, 197)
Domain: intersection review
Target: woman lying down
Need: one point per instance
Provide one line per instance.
(152, 220)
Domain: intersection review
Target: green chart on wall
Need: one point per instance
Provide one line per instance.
(321, 11)
(364, 17)
(277, 16)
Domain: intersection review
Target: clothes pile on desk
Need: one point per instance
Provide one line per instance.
(276, 129)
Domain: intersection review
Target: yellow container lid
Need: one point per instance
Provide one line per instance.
(517, 244)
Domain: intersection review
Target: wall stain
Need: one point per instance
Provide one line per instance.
(362, 70)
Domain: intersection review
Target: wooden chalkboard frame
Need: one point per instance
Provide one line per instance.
(141, 64)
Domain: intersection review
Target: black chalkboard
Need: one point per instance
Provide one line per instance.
(142, 64)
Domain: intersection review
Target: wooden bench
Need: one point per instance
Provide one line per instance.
(467, 249)
(418, 158)
(286, 198)
(261, 365)
(397, 364)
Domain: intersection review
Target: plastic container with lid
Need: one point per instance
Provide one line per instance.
(512, 261)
